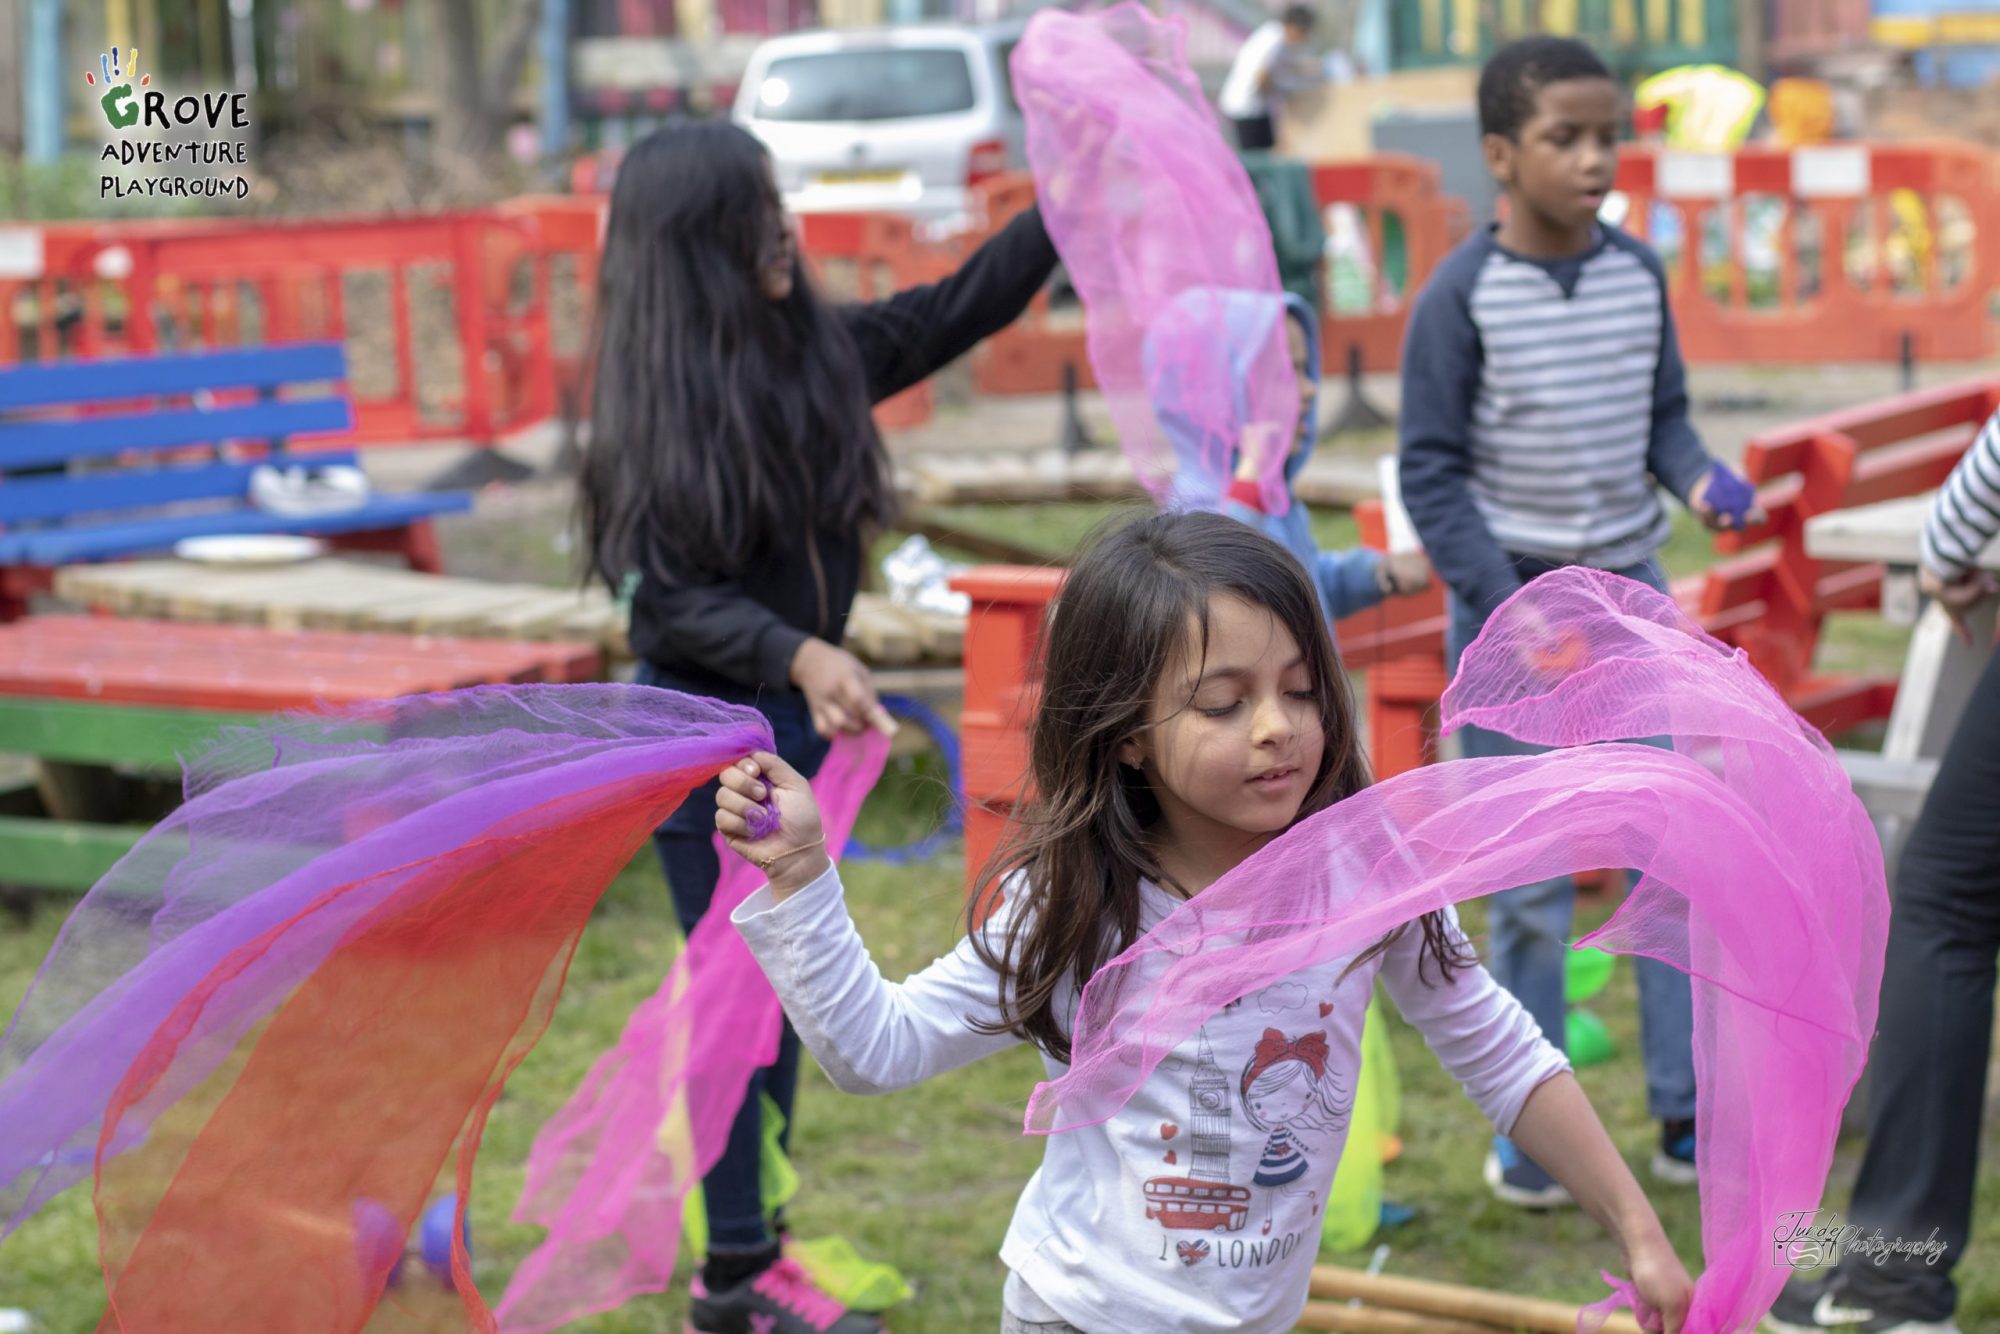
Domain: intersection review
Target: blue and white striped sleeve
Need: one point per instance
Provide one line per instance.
(1966, 514)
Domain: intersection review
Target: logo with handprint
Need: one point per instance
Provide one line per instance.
(121, 108)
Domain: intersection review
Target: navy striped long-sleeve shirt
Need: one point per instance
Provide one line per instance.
(1966, 514)
(1541, 398)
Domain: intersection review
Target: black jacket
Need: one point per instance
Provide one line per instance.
(739, 634)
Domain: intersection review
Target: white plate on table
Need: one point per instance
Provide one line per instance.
(250, 549)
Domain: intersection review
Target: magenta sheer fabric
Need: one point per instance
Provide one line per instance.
(1156, 223)
(276, 1021)
(610, 1172)
(1762, 879)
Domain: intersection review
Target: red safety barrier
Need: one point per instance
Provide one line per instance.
(1772, 601)
(1393, 193)
(1833, 253)
(470, 366)
(570, 237)
(1002, 635)
(41, 299)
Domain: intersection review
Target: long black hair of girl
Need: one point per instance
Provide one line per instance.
(1082, 843)
(729, 414)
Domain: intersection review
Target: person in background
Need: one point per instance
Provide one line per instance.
(735, 467)
(1544, 403)
(1927, 1067)
(1275, 64)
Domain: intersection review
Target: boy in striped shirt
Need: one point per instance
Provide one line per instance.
(1543, 396)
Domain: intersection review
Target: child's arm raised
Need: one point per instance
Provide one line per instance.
(907, 337)
(869, 1034)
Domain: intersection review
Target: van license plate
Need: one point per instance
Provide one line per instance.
(860, 177)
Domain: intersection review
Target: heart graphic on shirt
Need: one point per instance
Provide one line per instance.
(1170, 1157)
(1168, 1130)
(1192, 1252)
(1325, 1009)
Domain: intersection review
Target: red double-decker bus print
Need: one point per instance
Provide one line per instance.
(1185, 1202)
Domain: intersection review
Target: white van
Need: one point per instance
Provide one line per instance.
(903, 120)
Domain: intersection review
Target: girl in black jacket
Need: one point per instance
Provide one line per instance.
(735, 467)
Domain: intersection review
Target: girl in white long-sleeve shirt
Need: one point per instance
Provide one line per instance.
(1191, 710)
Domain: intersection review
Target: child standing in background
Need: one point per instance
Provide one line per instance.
(1543, 398)
(1347, 581)
(734, 467)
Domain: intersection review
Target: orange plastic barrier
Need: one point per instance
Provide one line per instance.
(1829, 253)
(1002, 634)
(1773, 600)
(216, 283)
(1391, 190)
(569, 232)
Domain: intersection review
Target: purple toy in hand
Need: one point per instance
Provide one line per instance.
(1729, 494)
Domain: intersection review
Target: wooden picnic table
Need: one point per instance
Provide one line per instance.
(87, 695)
(1939, 669)
(333, 594)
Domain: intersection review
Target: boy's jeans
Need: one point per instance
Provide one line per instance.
(1529, 925)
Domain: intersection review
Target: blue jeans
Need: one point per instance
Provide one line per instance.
(733, 1189)
(1529, 925)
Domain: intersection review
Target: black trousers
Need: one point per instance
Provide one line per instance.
(1255, 132)
(1927, 1067)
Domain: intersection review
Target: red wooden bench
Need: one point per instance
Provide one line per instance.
(80, 693)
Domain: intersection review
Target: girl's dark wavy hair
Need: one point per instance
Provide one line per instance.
(1074, 854)
(724, 425)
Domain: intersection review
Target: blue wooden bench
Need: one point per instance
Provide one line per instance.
(122, 457)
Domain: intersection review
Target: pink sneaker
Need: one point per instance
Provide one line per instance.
(781, 1300)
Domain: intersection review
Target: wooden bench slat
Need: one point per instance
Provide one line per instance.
(113, 379)
(35, 444)
(140, 488)
(246, 669)
(60, 546)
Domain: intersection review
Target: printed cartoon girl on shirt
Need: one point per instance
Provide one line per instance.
(1285, 1090)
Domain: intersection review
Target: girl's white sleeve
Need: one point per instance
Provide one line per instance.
(1479, 1032)
(870, 1035)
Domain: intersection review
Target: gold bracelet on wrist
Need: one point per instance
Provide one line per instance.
(765, 864)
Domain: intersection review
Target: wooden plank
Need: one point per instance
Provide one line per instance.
(32, 444)
(83, 732)
(61, 854)
(1888, 787)
(542, 611)
(232, 668)
(876, 634)
(115, 379)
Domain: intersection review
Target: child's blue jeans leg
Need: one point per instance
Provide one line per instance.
(1528, 926)
(733, 1189)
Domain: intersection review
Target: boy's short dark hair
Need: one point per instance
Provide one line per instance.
(1520, 70)
(1302, 17)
